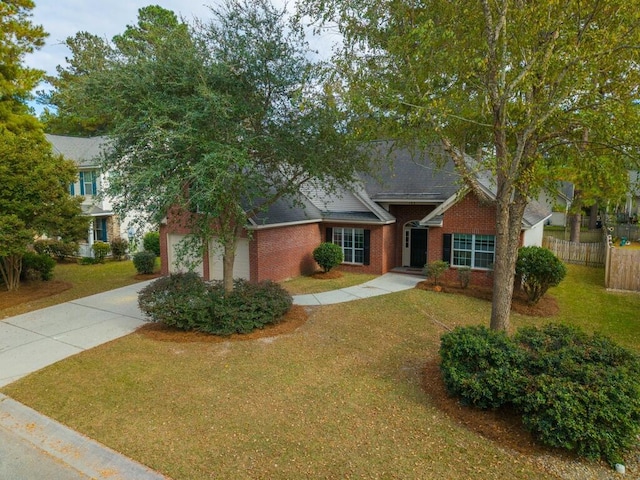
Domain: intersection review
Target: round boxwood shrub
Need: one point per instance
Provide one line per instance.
(151, 242)
(37, 266)
(144, 262)
(328, 255)
(482, 367)
(187, 302)
(539, 269)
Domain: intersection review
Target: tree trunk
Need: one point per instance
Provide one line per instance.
(575, 217)
(10, 268)
(593, 217)
(228, 260)
(508, 228)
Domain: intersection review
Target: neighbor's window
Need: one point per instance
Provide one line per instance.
(476, 251)
(352, 242)
(88, 182)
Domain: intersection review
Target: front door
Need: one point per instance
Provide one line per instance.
(418, 258)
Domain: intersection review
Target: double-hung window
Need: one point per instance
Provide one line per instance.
(88, 182)
(351, 240)
(475, 251)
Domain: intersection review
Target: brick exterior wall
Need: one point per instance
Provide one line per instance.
(469, 215)
(285, 252)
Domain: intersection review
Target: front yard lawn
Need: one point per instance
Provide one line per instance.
(343, 396)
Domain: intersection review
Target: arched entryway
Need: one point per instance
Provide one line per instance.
(414, 248)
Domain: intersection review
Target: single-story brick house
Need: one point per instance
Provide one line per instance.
(415, 211)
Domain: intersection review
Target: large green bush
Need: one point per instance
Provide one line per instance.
(100, 251)
(119, 248)
(187, 302)
(56, 248)
(328, 255)
(481, 366)
(36, 266)
(539, 269)
(575, 391)
(151, 243)
(584, 392)
(144, 262)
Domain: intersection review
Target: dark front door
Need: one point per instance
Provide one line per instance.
(418, 247)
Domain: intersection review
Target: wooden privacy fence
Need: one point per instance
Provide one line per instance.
(588, 254)
(622, 270)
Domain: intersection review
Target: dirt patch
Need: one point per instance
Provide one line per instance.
(30, 291)
(546, 307)
(293, 319)
(330, 275)
(147, 276)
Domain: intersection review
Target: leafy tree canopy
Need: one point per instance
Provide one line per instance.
(221, 118)
(514, 83)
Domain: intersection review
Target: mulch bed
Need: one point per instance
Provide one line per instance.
(546, 307)
(293, 319)
(30, 291)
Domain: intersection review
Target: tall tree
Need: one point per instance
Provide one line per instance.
(221, 119)
(506, 81)
(34, 198)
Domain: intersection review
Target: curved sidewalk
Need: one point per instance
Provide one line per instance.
(387, 283)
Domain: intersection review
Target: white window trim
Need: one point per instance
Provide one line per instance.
(473, 250)
(353, 248)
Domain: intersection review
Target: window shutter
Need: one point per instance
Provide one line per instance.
(93, 176)
(367, 247)
(72, 189)
(329, 235)
(81, 183)
(446, 247)
(104, 229)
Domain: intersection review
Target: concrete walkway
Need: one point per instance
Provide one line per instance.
(31, 443)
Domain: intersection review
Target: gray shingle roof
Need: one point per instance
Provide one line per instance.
(83, 151)
(403, 174)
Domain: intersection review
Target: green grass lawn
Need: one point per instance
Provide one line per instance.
(341, 397)
(305, 285)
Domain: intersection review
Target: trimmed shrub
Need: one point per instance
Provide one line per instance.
(100, 251)
(56, 248)
(36, 266)
(481, 366)
(151, 243)
(43, 246)
(119, 248)
(435, 270)
(574, 391)
(464, 276)
(584, 393)
(328, 255)
(539, 269)
(180, 300)
(187, 302)
(144, 262)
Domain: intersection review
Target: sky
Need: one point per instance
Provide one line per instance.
(107, 18)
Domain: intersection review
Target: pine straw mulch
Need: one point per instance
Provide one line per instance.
(30, 291)
(546, 307)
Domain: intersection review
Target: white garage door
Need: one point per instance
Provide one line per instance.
(241, 265)
(173, 241)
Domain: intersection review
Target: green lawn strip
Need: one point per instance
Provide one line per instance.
(85, 280)
(305, 285)
(340, 397)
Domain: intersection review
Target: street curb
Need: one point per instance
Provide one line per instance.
(71, 448)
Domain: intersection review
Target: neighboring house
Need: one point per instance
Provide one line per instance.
(414, 213)
(105, 225)
(558, 199)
